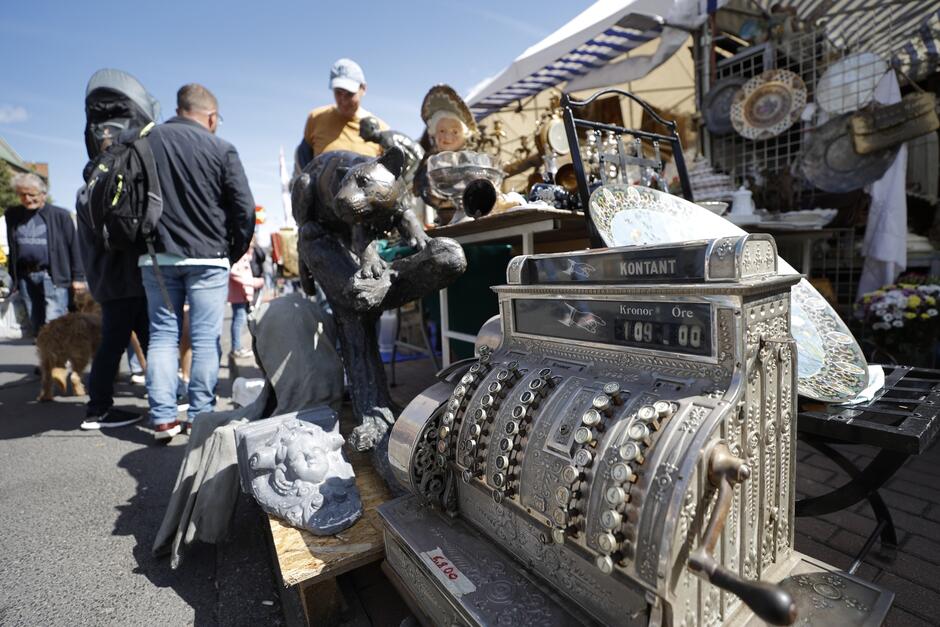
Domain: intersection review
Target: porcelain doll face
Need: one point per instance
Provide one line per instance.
(449, 134)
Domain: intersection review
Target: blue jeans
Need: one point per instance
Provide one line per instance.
(206, 289)
(43, 300)
(239, 322)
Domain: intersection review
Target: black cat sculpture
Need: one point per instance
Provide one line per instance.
(343, 203)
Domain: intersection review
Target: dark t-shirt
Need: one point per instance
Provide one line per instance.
(32, 244)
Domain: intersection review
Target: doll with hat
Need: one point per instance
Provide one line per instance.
(449, 125)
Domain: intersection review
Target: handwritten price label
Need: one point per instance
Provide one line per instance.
(455, 581)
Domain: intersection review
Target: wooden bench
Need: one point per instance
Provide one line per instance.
(308, 565)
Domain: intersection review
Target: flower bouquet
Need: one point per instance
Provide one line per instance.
(903, 319)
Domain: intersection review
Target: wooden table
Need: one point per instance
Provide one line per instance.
(546, 229)
(308, 565)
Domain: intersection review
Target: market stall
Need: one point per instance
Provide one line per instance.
(815, 120)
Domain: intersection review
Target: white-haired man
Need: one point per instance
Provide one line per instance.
(44, 259)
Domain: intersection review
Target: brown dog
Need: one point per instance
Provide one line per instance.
(73, 338)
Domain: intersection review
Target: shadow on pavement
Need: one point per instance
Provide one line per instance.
(154, 468)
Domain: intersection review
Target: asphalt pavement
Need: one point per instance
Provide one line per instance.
(79, 511)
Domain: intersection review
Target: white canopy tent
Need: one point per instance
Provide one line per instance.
(581, 52)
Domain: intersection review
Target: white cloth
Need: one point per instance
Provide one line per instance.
(885, 244)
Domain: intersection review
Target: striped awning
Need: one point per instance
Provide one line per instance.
(907, 33)
(591, 55)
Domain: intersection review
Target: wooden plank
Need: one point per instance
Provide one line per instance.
(304, 557)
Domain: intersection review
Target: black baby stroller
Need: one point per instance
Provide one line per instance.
(114, 102)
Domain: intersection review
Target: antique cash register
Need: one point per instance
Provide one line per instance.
(624, 456)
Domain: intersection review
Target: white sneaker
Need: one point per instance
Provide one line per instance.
(138, 378)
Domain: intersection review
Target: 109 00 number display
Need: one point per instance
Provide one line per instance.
(662, 335)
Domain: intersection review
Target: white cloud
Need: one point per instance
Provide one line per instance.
(11, 114)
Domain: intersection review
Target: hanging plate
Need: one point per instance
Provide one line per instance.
(830, 162)
(718, 105)
(768, 104)
(849, 84)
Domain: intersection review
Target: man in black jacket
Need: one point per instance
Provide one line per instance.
(44, 260)
(207, 223)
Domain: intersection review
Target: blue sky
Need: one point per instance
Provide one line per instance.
(267, 62)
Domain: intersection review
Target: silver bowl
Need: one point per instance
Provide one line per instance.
(450, 172)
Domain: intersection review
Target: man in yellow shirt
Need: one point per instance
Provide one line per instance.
(336, 127)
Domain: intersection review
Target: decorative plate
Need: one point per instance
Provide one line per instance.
(829, 160)
(849, 83)
(718, 105)
(831, 366)
(768, 104)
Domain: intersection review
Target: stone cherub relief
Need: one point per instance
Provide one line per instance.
(344, 203)
(295, 469)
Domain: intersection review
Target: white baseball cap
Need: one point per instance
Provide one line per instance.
(346, 74)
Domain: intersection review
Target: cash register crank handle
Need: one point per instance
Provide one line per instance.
(771, 603)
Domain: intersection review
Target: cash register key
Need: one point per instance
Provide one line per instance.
(511, 428)
(497, 496)
(616, 496)
(467, 379)
(663, 408)
(487, 400)
(545, 373)
(454, 404)
(639, 432)
(443, 432)
(611, 519)
(502, 462)
(612, 390)
(475, 430)
(560, 517)
(591, 417)
(460, 390)
(605, 564)
(505, 445)
(466, 475)
(471, 444)
(479, 415)
(583, 458)
(520, 412)
(441, 446)
(602, 404)
(513, 366)
(448, 418)
(538, 386)
(529, 398)
(475, 369)
(496, 389)
(558, 535)
(630, 452)
(503, 375)
(499, 480)
(583, 435)
(621, 472)
(570, 474)
(607, 542)
(646, 413)
(562, 495)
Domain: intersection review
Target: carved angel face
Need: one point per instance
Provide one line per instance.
(303, 461)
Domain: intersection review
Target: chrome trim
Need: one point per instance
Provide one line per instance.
(403, 441)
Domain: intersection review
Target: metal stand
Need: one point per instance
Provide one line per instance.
(427, 349)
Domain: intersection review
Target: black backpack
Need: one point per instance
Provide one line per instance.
(124, 195)
(124, 199)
